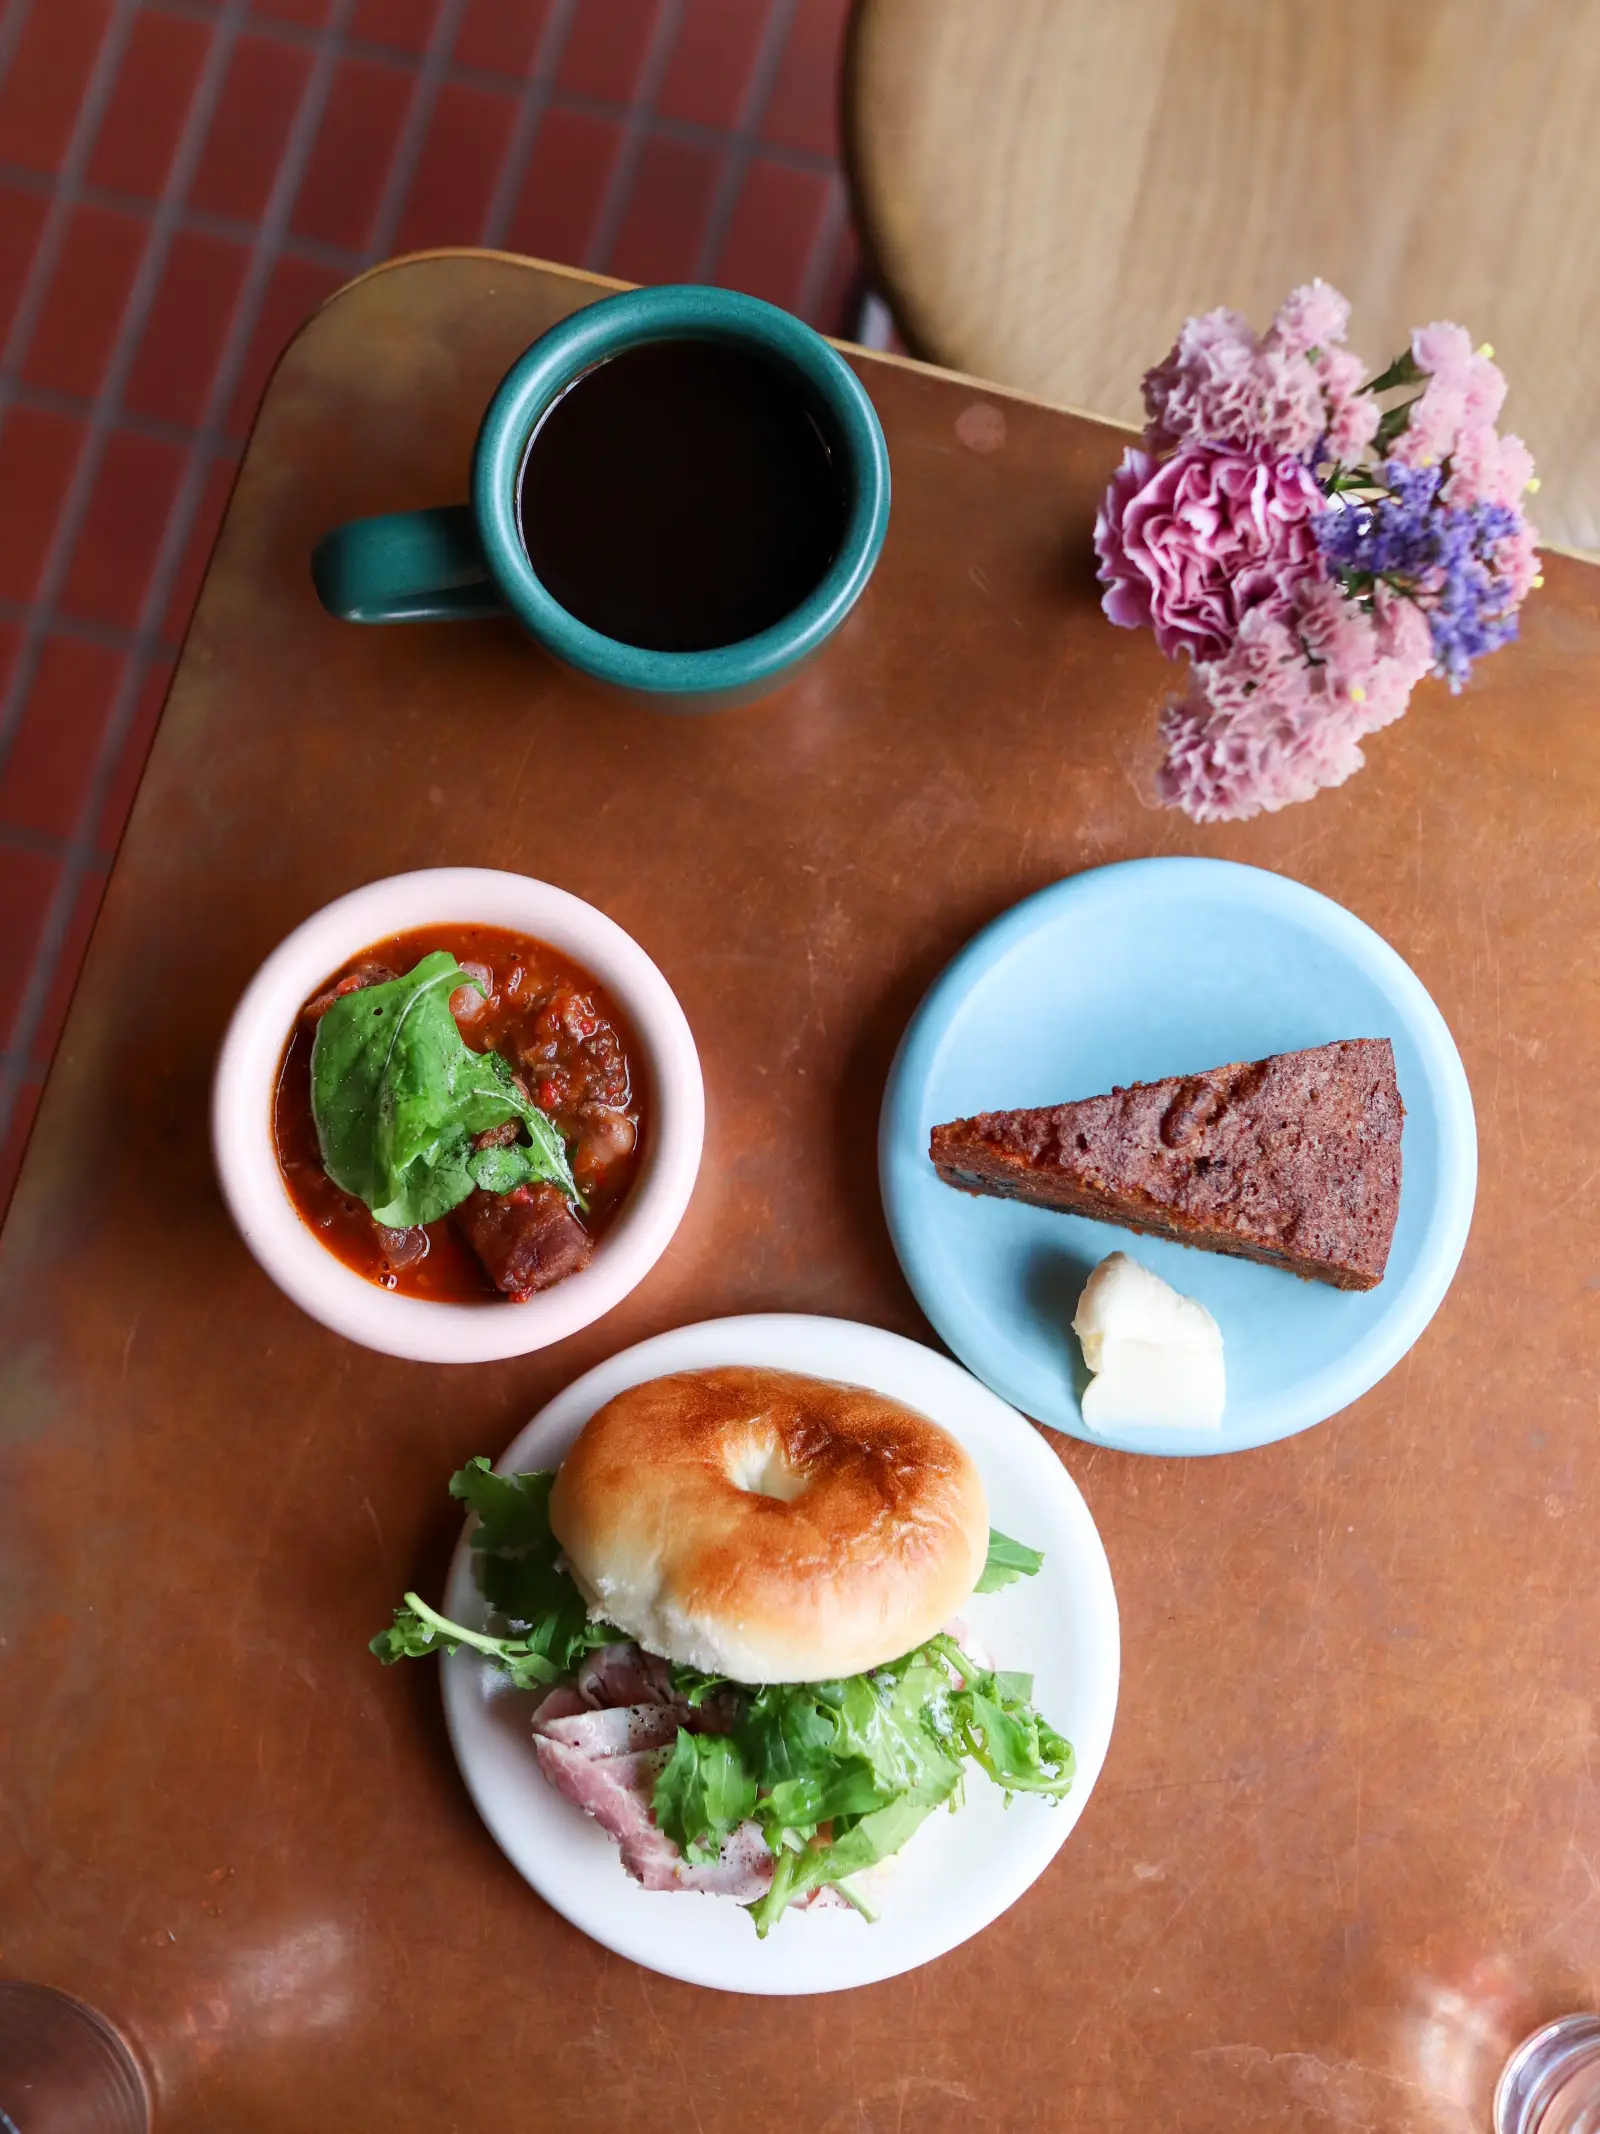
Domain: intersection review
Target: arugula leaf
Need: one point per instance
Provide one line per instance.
(418, 1630)
(992, 1720)
(872, 1839)
(1008, 1560)
(398, 1096)
(521, 1577)
(704, 1794)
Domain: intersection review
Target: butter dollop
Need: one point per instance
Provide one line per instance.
(1156, 1355)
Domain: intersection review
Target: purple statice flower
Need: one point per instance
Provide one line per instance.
(1445, 557)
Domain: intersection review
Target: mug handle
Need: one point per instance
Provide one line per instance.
(406, 566)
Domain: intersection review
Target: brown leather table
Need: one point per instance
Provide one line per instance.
(1347, 1843)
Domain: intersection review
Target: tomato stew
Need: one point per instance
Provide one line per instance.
(573, 1054)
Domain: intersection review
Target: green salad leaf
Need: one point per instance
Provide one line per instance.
(1008, 1560)
(704, 1794)
(398, 1097)
(837, 1774)
(520, 1578)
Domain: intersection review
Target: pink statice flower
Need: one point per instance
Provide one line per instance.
(1443, 349)
(1189, 545)
(1464, 392)
(1486, 468)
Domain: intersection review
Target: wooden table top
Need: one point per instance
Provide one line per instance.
(1345, 1845)
(1051, 186)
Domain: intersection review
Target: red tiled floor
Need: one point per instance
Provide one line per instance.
(117, 543)
(250, 127)
(775, 230)
(183, 336)
(407, 25)
(596, 131)
(27, 881)
(306, 14)
(10, 648)
(660, 235)
(139, 133)
(503, 39)
(44, 84)
(803, 110)
(355, 146)
(606, 49)
(460, 160)
(84, 303)
(21, 219)
(713, 59)
(51, 761)
(38, 451)
(568, 172)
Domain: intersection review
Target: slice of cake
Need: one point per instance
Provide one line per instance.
(1294, 1160)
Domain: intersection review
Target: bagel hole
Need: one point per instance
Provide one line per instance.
(761, 1468)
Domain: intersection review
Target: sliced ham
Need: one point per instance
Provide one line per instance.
(625, 1674)
(617, 1792)
(558, 1704)
(603, 1745)
(620, 1731)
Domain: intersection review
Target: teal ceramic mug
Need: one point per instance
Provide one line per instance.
(469, 560)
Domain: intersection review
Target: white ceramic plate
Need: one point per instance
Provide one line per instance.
(961, 1871)
(246, 1081)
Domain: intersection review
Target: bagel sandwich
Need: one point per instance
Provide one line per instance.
(739, 1601)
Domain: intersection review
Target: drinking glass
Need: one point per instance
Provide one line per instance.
(63, 2069)
(1551, 2083)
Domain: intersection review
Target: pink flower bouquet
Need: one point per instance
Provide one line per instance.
(1313, 544)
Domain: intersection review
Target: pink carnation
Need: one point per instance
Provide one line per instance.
(1192, 544)
(1353, 415)
(1205, 387)
(1281, 715)
(1289, 414)
(1314, 316)
(1221, 385)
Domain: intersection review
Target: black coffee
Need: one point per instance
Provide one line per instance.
(682, 495)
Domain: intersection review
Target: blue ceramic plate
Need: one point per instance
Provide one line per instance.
(1159, 967)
